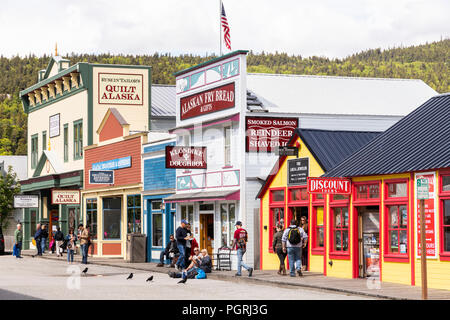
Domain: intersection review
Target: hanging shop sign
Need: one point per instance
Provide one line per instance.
(101, 177)
(298, 171)
(65, 196)
(329, 185)
(178, 157)
(26, 201)
(113, 164)
(286, 151)
(208, 101)
(266, 134)
(430, 213)
(120, 88)
(54, 125)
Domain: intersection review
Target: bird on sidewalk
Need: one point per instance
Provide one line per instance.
(149, 278)
(183, 281)
(130, 276)
(85, 271)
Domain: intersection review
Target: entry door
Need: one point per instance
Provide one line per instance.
(207, 232)
(53, 221)
(369, 241)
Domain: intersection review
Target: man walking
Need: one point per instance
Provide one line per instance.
(240, 244)
(84, 242)
(181, 236)
(293, 239)
(18, 237)
(44, 236)
(37, 239)
(59, 239)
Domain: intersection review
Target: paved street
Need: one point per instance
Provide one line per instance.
(36, 278)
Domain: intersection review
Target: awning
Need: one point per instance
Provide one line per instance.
(204, 196)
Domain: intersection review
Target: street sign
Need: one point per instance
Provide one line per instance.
(422, 189)
(286, 151)
(329, 185)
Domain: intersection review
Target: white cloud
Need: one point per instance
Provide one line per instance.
(321, 27)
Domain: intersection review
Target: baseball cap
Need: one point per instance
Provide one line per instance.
(238, 223)
(184, 221)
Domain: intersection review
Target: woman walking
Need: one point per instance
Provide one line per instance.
(277, 246)
(71, 240)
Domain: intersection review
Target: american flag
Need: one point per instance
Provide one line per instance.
(226, 28)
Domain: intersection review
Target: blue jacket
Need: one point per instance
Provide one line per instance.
(37, 235)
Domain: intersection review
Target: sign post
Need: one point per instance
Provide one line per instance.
(422, 194)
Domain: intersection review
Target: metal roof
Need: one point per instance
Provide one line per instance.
(420, 141)
(163, 100)
(338, 95)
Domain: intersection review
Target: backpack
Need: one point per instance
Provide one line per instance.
(242, 241)
(294, 236)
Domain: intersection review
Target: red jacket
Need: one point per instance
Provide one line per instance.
(194, 244)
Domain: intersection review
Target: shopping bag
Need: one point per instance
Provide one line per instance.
(200, 274)
(14, 250)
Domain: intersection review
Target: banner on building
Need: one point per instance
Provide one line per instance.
(209, 101)
(178, 157)
(65, 196)
(101, 177)
(265, 134)
(120, 88)
(26, 201)
(329, 185)
(113, 164)
(298, 171)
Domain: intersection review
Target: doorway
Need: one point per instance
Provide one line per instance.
(297, 213)
(368, 241)
(207, 232)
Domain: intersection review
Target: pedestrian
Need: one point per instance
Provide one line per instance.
(181, 236)
(170, 252)
(59, 238)
(71, 243)
(191, 243)
(84, 242)
(277, 246)
(18, 237)
(293, 238)
(240, 244)
(37, 239)
(304, 225)
(44, 236)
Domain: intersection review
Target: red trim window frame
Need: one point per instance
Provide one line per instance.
(443, 196)
(274, 206)
(335, 205)
(366, 201)
(295, 203)
(399, 218)
(316, 203)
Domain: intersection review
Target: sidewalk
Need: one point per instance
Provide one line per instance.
(311, 280)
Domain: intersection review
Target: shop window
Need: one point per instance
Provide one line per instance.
(277, 195)
(298, 194)
(78, 139)
(276, 217)
(157, 205)
(173, 206)
(91, 217)
(157, 229)
(367, 191)
(34, 151)
(445, 183)
(397, 190)
(319, 196)
(227, 145)
(340, 197)
(206, 207)
(446, 226)
(397, 229)
(187, 213)
(340, 229)
(44, 140)
(318, 228)
(134, 214)
(112, 213)
(227, 221)
(66, 142)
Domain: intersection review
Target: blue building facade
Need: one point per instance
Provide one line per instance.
(159, 183)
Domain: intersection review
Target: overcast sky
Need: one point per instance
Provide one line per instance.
(331, 28)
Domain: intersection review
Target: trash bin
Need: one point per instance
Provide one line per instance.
(136, 247)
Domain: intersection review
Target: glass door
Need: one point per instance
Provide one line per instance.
(369, 241)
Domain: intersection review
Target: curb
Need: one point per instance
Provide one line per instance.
(253, 280)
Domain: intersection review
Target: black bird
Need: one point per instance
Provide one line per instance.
(183, 281)
(85, 271)
(149, 278)
(130, 276)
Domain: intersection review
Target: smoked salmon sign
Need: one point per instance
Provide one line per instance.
(185, 157)
(208, 101)
(265, 134)
(119, 88)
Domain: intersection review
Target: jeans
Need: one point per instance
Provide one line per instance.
(281, 256)
(43, 243)
(38, 247)
(181, 258)
(84, 253)
(240, 263)
(69, 255)
(295, 257)
(18, 249)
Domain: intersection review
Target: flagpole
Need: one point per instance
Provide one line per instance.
(220, 26)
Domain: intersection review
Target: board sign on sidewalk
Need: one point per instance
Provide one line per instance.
(329, 185)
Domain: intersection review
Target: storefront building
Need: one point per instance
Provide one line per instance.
(284, 195)
(112, 200)
(64, 108)
(159, 183)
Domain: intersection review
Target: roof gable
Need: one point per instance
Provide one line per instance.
(419, 141)
(113, 125)
(55, 65)
(50, 161)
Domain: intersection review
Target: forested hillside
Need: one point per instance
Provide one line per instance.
(429, 62)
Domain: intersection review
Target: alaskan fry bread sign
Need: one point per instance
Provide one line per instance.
(65, 196)
(120, 88)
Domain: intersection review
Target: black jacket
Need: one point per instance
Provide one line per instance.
(59, 236)
(206, 264)
(180, 234)
(44, 234)
(172, 247)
